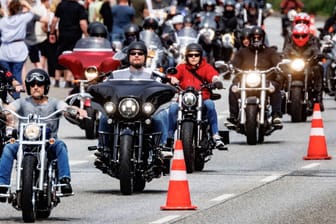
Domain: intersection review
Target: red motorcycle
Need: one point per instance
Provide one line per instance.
(89, 62)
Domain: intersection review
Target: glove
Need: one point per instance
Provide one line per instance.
(218, 84)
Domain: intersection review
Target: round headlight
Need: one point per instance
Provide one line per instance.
(148, 108)
(298, 65)
(189, 99)
(32, 131)
(110, 107)
(91, 73)
(129, 108)
(253, 79)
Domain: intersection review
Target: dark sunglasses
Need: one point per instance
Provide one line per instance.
(297, 36)
(137, 53)
(193, 55)
(35, 77)
(39, 84)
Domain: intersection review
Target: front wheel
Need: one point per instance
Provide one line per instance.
(28, 196)
(297, 112)
(251, 125)
(125, 169)
(189, 145)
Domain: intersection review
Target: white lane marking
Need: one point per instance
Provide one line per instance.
(309, 166)
(270, 178)
(223, 197)
(165, 219)
(77, 162)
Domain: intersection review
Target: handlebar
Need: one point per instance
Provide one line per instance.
(33, 116)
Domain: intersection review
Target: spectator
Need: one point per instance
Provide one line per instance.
(72, 24)
(13, 50)
(106, 15)
(141, 11)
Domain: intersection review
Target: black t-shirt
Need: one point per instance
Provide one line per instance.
(70, 12)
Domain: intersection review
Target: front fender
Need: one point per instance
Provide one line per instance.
(127, 131)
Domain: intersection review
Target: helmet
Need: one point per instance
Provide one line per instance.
(137, 45)
(301, 17)
(257, 37)
(177, 19)
(229, 8)
(245, 33)
(207, 3)
(150, 22)
(97, 29)
(40, 76)
(131, 32)
(188, 19)
(194, 47)
(230, 3)
(300, 34)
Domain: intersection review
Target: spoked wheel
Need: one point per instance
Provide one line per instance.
(28, 196)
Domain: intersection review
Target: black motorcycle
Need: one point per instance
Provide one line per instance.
(131, 152)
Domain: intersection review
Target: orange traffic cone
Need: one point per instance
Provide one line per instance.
(317, 148)
(178, 197)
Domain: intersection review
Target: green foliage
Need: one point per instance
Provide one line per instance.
(318, 7)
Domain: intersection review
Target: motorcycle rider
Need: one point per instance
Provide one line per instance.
(286, 6)
(304, 44)
(136, 54)
(185, 77)
(98, 29)
(37, 85)
(131, 33)
(257, 56)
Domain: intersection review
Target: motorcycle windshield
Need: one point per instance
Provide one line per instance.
(101, 44)
(208, 21)
(144, 90)
(151, 39)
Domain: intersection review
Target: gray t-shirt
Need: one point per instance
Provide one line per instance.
(129, 74)
(26, 106)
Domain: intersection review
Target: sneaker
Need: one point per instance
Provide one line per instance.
(3, 190)
(66, 189)
(218, 143)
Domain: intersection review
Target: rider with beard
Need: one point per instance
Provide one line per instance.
(136, 54)
(257, 56)
(303, 44)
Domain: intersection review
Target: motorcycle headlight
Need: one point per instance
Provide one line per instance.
(189, 99)
(110, 107)
(298, 65)
(253, 79)
(148, 108)
(129, 108)
(32, 131)
(91, 73)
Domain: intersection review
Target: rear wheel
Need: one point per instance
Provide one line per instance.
(125, 169)
(28, 197)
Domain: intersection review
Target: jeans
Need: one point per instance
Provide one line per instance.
(211, 115)
(57, 150)
(160, 124)
(16, 69)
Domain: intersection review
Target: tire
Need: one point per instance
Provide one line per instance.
(296, 105)
(188, 141)
(91, 125)
(139, 183)
(251, 125)
(125, 169)
(44, 205)
(28, 197)
(330, 83)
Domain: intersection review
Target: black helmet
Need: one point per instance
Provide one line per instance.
(137, 45)
(150, 22)
(131, 32)
(40, 76)
(97, 29)
(194, 47)
(257, 37)
(245, 33)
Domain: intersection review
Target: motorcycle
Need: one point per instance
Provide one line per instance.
(185, 36)
(37, 189)
(224, 45)
(328, 49)
(90, 59)
(300, 92)
(131, 152)
(194, 129)
(254, 117)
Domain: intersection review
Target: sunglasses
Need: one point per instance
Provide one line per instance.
(39, 84)
(193, 55)
(35, 77)
(297, 36)
(137, 53)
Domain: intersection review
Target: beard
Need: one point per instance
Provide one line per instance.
(137, 65)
